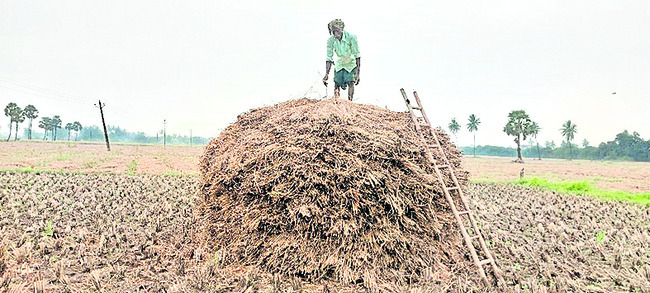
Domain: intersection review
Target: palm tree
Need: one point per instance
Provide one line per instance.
(56, 123)
(31, 113)
(20, 118)
(16, 115)
(472, 126)
(518, 126)
(10, 109)
(46, 124)
(454, 127)
(534, 131)
(69, 127)
(77, 128)
(568, 131)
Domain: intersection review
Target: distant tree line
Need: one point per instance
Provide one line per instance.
(117, 134)
(52, 127)
(626, 146)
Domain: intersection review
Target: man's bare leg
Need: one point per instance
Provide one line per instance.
(337, 92)
(350, 90)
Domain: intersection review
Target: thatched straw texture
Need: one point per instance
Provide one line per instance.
(327, 189)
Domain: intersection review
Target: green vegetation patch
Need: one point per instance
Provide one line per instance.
(63, 156)
(585, 188)
(48, 230)
(90, 164)
(133, 166)
(600, 237)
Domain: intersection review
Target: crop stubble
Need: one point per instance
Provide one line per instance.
(106, 231)
(117, 232)
(546, 240)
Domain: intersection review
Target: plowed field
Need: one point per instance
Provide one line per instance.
(113, 232)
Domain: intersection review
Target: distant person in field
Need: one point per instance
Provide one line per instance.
(346, 68)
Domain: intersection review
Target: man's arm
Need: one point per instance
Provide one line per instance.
(355, 52)
(356, 78)
(328, 66)
(329, 60)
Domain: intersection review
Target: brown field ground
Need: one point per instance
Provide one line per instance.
(92, 157)
(154, 159)
(629, 176)
(103, 230)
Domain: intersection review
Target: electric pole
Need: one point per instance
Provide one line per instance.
(101, 111)
(165, 133)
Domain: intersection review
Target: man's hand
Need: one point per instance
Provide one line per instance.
(325, 79)
(356, 79)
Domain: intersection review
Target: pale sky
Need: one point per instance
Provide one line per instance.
(199, 64)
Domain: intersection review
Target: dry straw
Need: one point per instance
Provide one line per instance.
(328, 190)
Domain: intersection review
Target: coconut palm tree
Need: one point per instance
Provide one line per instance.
(31, 113)
(534, 131)
(568, 131)
(472, 126)
(518, 126)
(454, 127)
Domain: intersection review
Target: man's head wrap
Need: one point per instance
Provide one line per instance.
(337, 23)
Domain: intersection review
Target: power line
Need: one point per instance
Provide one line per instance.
(47, 92)
(40, 94)
(60, 96)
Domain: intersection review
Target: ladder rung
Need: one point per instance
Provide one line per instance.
(453, 188)
(416, 108)
(474, 237)
(442, 166)
(425, 125)
(464, 212)
(486, 261)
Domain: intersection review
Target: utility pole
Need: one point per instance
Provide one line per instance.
(190, 137)
(165, 133)
(101, 111)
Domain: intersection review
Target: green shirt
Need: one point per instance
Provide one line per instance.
(347, 51)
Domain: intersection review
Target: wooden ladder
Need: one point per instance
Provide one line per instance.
(444, 169)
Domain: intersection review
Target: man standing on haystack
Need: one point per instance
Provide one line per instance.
(346, 68)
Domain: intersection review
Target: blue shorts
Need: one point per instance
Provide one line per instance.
(342, 77)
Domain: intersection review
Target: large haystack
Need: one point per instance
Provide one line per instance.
(327, 189)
